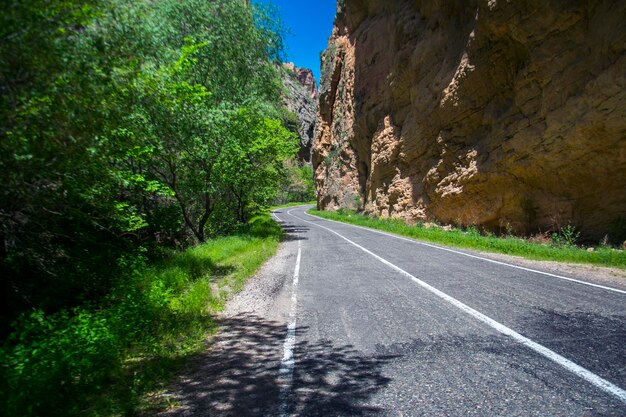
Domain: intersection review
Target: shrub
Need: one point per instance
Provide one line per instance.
(101, 358)
(55, 357)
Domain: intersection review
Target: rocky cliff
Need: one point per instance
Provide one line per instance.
(301, 99)
(504, 114)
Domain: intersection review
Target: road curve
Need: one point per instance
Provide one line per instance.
(347, 321)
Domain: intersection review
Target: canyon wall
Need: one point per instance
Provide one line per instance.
(300, 98)
(510, 115)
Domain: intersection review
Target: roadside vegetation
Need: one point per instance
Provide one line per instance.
(114, 357)
(297, 185)
(139, 144)
(560, 247)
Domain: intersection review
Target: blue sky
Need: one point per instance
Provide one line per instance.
(309, 24)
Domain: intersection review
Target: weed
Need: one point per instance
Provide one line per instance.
(567, 235)
(541, 238)
(506, 228)
(605, 241)
(472, 231)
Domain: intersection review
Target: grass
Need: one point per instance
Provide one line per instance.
(471, 239)
(293, 204)
(116, 359)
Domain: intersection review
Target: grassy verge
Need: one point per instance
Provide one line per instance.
(114, 358)
(293, 204)
(472, 239)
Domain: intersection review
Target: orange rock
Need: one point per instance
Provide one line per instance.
(499, 114)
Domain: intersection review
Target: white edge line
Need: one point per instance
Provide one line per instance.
(275, 216)
(585, 374)
(287, 364)
(472, 256)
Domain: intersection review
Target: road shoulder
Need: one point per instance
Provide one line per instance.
(614, 277)
(237, 374)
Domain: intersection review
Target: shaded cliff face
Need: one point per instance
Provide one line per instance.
(301, 99)
(501, 114)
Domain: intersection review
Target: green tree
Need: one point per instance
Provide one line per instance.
(125, 125)
(297, 183)
(252, 168)
(113, 118)
(58, 222)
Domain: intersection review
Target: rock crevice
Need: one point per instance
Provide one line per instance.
(301, 96)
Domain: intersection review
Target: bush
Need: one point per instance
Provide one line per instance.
(55, 357)
(124, 125)
(297, 185)
(101, 358)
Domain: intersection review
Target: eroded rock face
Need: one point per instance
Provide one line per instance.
(508, 115)
(301, 99)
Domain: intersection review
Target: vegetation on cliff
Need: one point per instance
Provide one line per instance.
(300, 99)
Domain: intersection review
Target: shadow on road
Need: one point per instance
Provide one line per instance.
(238, 376)
(336, 380)
(291, 231)
(594, 341)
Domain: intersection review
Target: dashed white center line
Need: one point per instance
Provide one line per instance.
(583, 373)
(285, 374)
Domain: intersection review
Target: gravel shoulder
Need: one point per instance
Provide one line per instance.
(267, 293)
(614, 277)
(237, 374)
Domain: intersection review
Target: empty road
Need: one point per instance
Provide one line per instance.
(358, 322)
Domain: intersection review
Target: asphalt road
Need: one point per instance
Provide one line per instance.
(364, 323)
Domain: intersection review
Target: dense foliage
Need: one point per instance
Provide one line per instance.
(116, 359)
(124, 124)
(297, 184)
(126, 127)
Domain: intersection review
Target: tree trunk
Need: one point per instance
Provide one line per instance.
(205, 217)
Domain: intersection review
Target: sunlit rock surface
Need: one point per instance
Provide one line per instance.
(505, 114)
